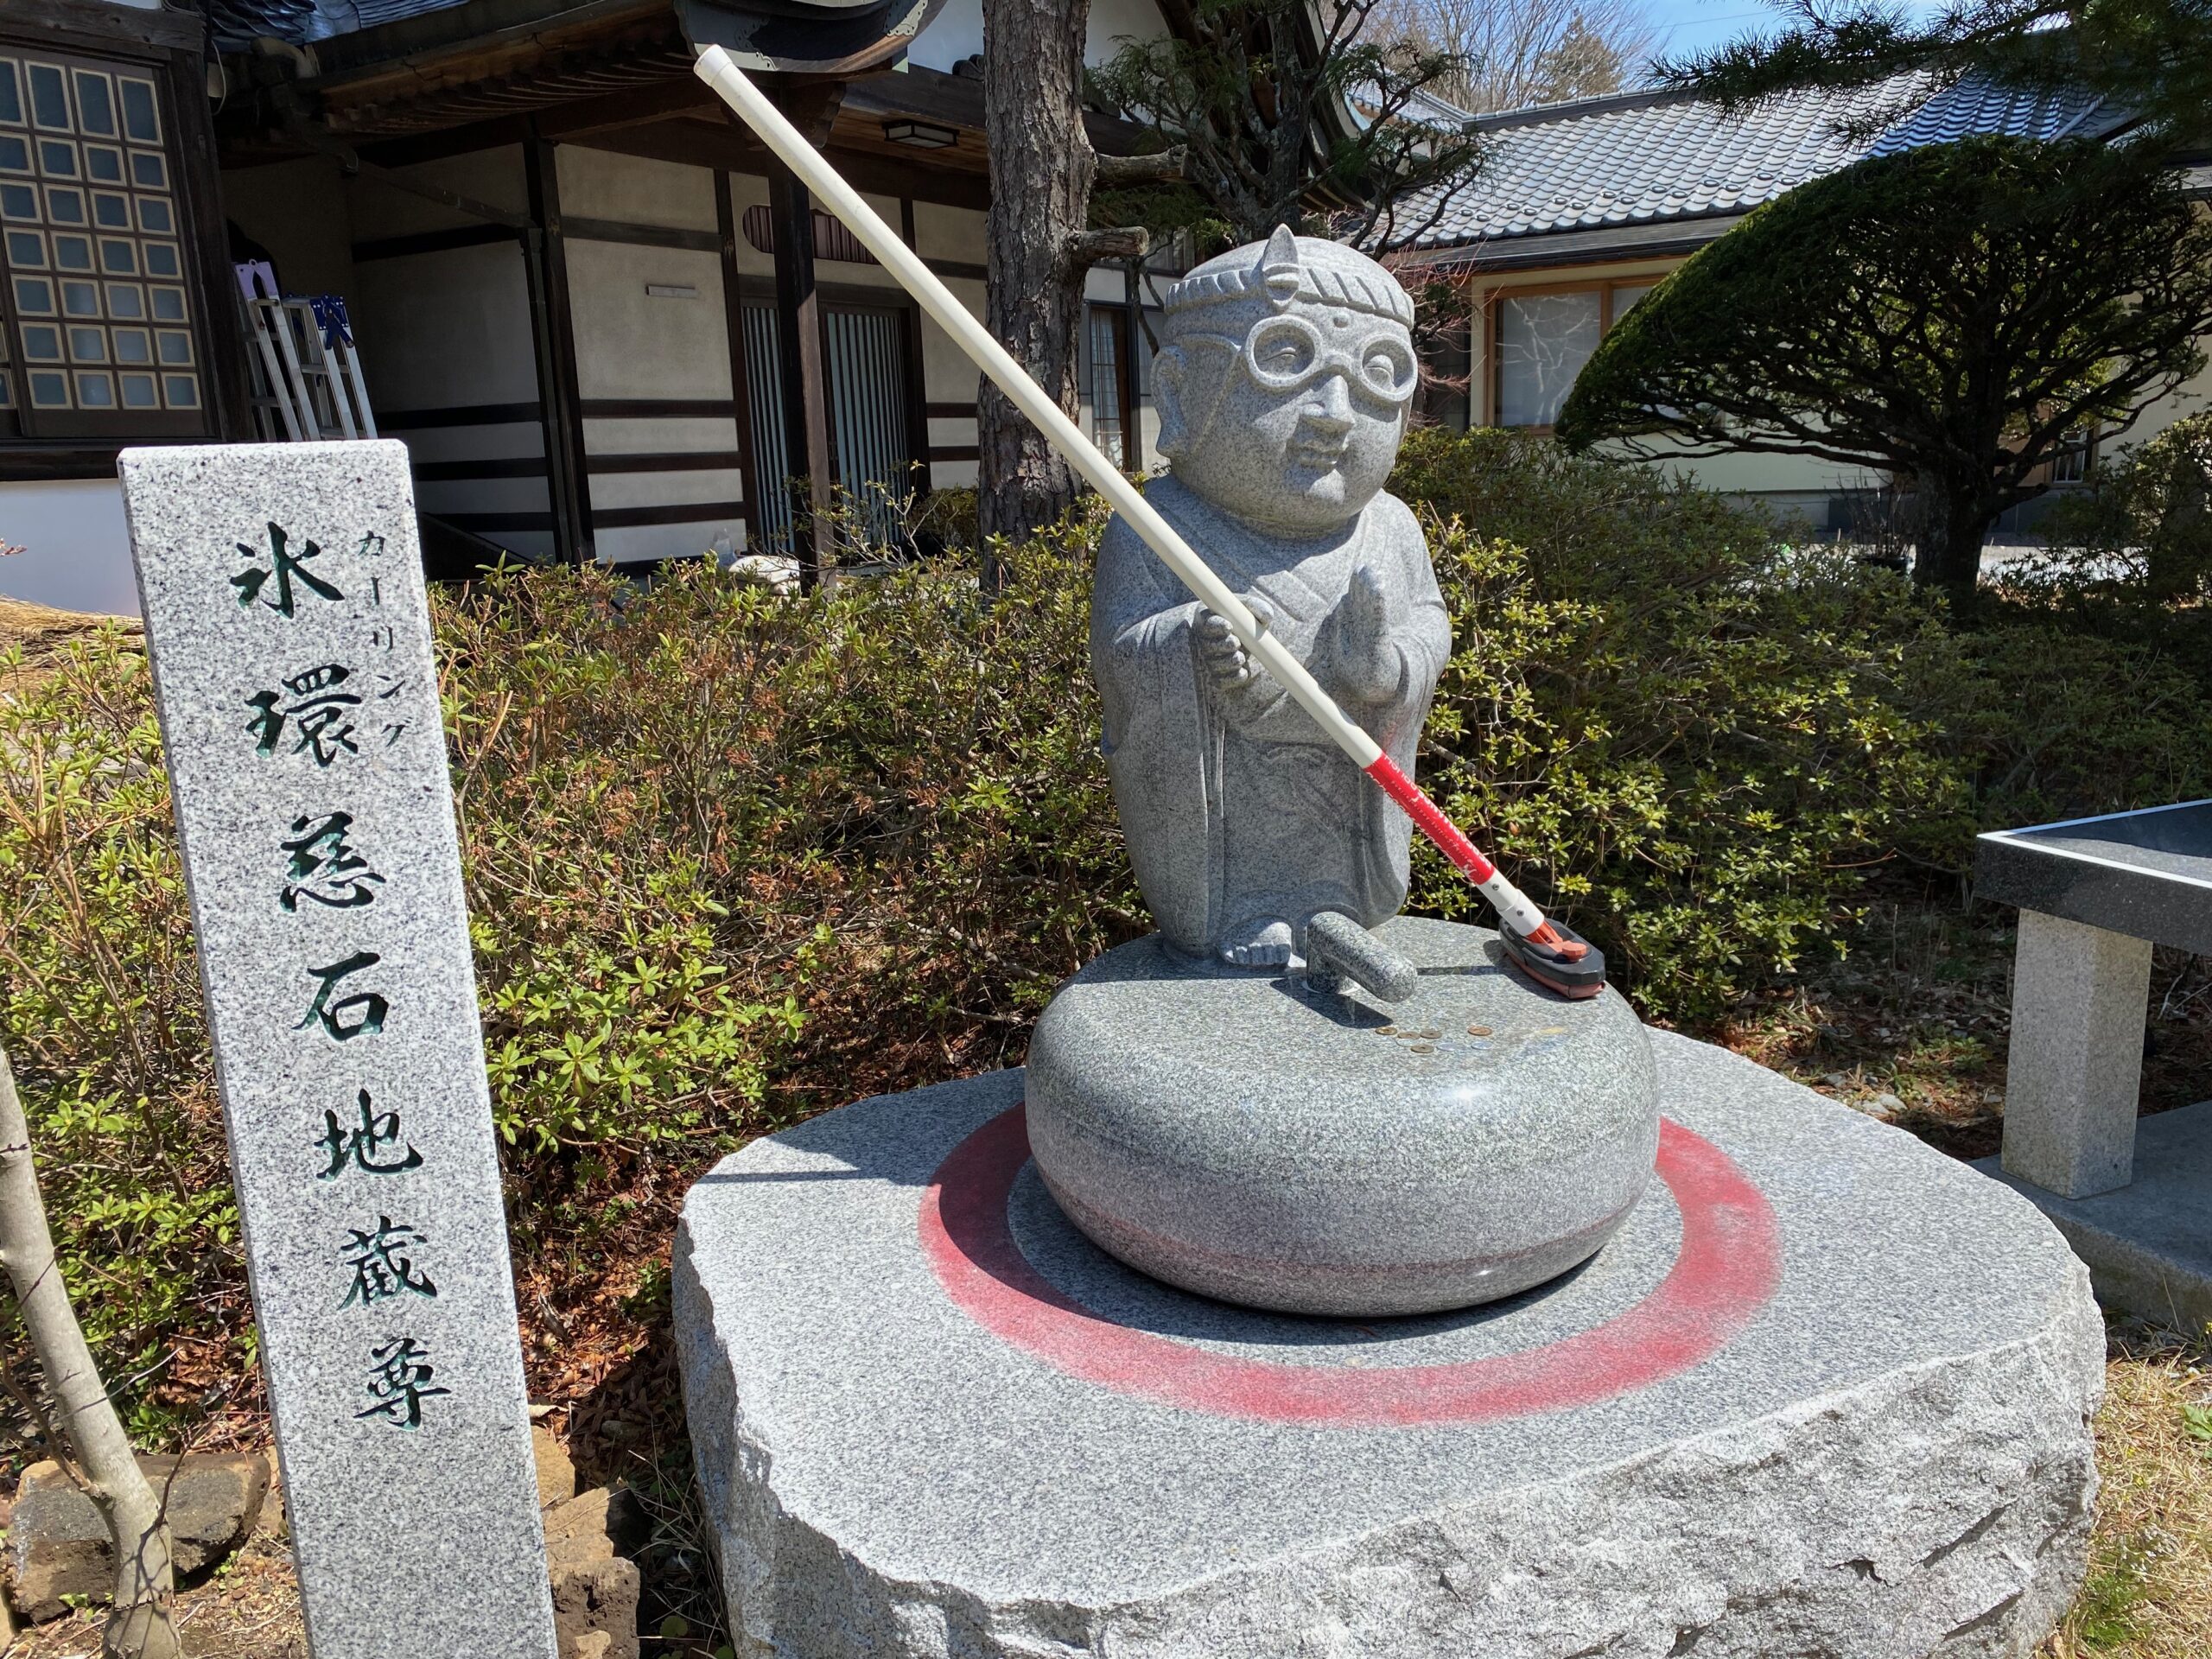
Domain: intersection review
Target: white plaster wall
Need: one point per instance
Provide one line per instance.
(2193, 398)
(951, 233)
(76, 552)
(602, 184)
(453, 327)
(749, 190)
(492, 176)
(631, 344)
(957, 31)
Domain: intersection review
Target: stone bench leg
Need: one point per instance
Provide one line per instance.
(2076, 1060)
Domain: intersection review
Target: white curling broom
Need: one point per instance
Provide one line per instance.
(1552, 955)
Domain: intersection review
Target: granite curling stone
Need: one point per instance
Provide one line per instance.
(1264, 1141)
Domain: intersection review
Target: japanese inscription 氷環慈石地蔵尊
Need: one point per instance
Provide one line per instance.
(329, 708)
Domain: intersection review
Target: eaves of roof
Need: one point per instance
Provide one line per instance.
(1605, 245)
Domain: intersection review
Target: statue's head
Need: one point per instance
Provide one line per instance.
(1285, 371)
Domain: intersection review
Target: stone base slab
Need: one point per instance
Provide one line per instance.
(1825, 1394)
(2148, 1244)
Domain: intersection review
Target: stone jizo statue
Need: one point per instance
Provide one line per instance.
(1285, 373)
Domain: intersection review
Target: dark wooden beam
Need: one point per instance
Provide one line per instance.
(554, 324)
(910, 342)
(807, 466)
(740, 368)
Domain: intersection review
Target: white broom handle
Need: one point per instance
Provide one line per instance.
(717, 69)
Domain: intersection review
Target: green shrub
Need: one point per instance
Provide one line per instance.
(1688, 737)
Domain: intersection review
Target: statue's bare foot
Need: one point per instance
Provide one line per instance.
(1263, 942)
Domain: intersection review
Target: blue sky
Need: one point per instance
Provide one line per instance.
(1692, 25)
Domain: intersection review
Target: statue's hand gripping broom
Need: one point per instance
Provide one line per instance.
(1549, 954)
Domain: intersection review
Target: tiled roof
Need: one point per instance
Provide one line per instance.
(236, 22)
(1653, 158)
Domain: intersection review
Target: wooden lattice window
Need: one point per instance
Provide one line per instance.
(102, 338)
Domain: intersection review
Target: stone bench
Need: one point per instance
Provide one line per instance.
(2094, 895)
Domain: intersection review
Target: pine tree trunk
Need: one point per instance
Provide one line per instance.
(1041, 170)
(139, 1626)
(1948, 552)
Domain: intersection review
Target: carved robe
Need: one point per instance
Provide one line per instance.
(1236, 809)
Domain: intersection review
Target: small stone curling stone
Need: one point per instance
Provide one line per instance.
(1264, 1141)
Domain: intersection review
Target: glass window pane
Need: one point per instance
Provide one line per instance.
(11, 97)
(175, 345)
(15, 154)
(49, 391)
(80, 300)
(133, 345)
(182, 391)
(95, 104)
(169, 305)
(138, 120)
(119, 258)
(102, 165)
(65, 206)
(7, 393)
(154, 216)
(96, 391)
(88, 344)
(162, 260)
(57, 160)
(138, 391)
(74, 253)
(111, 212)
(41, 342)
(126, 300)
(1543, 341)
(27, 249)
(18, 201)
(34, 294)
(1626, 297)
(149, 172)
(49, 98)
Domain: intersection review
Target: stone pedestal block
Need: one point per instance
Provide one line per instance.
(2075, 1064)
(1825, 1393)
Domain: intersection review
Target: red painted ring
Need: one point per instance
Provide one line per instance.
(1728, 1268)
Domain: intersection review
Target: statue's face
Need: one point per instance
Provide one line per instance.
(1294, 427)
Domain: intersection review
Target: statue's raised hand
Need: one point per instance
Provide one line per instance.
(1223, 656)
(1369, 666)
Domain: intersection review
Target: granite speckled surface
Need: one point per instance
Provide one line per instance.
(1889, 1458)
(1262, 1142)
(1284, 376)
(290, 641)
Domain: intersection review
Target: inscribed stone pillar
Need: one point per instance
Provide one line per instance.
(291, 640)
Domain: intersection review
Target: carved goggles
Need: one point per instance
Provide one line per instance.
(1287, 354)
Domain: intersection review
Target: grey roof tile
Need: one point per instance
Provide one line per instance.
(1655, 156)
